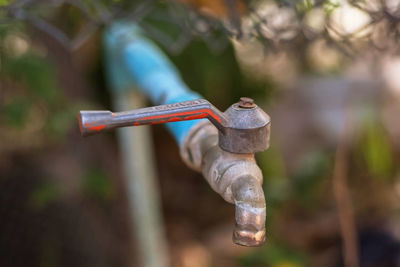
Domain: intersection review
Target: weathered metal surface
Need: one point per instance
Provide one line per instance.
(92, 122)
(250, 211)
(246, 102)
(248, 130)
(225, 157)
(236, 177)
(243, 128)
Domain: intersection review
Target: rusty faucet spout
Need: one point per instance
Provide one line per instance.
(236, 177)
(250, 212)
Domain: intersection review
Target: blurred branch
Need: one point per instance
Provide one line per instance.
(343, 198)
(275, 24)
(86, 33)
(43, 26)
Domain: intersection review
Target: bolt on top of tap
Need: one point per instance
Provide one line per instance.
(246, 102)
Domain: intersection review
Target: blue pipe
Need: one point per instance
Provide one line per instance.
(133, 61)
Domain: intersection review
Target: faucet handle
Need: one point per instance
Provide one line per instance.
(244, 127)
(92, 122)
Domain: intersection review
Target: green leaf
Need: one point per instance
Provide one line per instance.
(60, 121)
(313, 171)
(97, 184)
(37, 73)
(376, 151)
(15, 112)
(44, 195)
(4, 2)
(305, 6)
(330, 6)
(274, 255)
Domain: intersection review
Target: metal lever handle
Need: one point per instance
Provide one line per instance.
(92, 122)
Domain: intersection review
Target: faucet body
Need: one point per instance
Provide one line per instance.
(222, 148)
(236, 177)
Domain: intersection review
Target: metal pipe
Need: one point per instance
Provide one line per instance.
(137, 156)
(140, 63)
(142, 186)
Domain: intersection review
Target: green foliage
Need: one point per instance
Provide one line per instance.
(4, 2)
(274, 255)
(32, 88)
(168, 29)
(213, 72)
(276, 184)
(49, 252)
(330, 6)
(217, 76)
(97, 184)
(315, 168)
(44, 195)
(38, 78)
(15, 112)
(36, 73)
(61, 120)
(304, 6)
(375, 150)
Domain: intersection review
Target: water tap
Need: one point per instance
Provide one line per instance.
(222, 148)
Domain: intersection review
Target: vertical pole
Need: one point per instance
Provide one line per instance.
(139, 170)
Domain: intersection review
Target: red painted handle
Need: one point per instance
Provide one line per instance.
(92, 122)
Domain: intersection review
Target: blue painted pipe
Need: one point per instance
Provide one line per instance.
(133, 61)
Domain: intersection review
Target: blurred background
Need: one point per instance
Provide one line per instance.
(326, 71)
